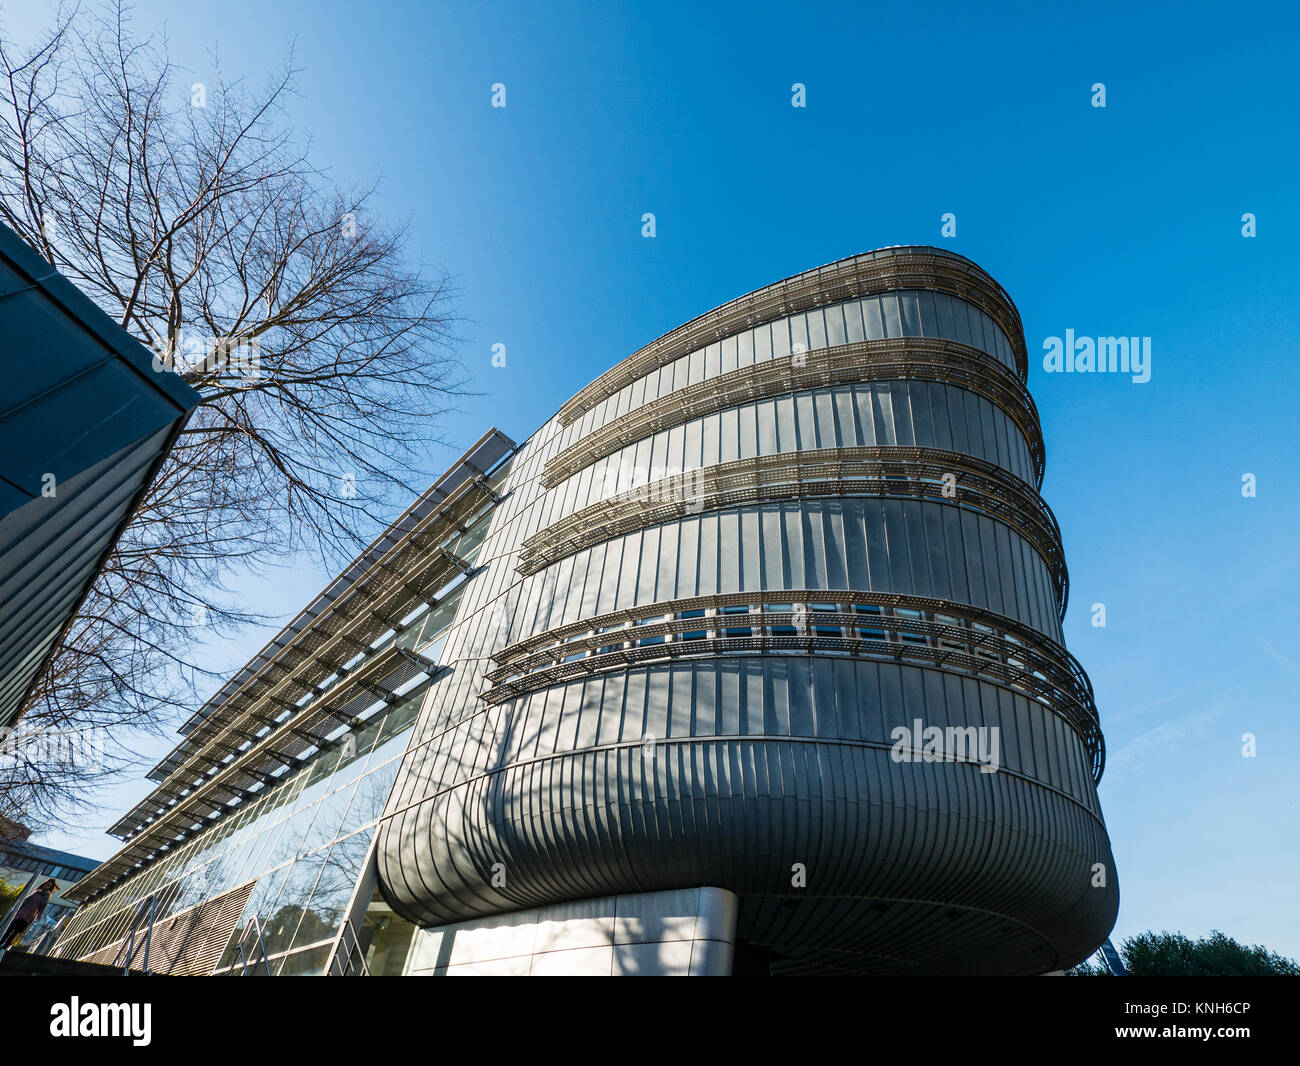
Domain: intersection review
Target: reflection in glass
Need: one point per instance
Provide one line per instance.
(280, 925)
(338, 879)
(339, 794)
(307, 963)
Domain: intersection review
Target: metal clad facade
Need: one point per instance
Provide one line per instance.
(83, 414)
(708, 695)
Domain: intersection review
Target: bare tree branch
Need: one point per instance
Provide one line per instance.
(323, 358)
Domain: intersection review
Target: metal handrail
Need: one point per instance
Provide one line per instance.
(1021, 656)
(871, 470)
(256, 926)
(948, 362)
(128, 943)
(345, 955)
(51, 935)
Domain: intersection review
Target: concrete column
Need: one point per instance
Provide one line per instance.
(681, 932)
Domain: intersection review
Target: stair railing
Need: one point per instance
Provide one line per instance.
(349, 960)
(256, 927)
(144, 914)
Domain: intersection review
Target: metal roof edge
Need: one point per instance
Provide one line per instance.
(319, 603)
(94, 319)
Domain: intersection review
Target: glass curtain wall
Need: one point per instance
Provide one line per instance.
(303, 842)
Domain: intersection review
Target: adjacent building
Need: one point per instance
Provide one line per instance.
(24, 864)
(748, 661)
(85, 422)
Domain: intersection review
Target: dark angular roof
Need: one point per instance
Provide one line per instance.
(49, 855)
(82, 402)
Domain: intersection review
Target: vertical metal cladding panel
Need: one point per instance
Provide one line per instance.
(767, 770)
(84, 413)
(901, 537)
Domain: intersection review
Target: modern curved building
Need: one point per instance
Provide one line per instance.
(773, 607)
(748, 661)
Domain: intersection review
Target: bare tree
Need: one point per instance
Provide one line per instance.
(192, 215)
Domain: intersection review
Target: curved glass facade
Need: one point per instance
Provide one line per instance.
(296, 850)
(718, 585)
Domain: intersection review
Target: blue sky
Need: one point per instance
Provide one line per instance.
(1117, 221)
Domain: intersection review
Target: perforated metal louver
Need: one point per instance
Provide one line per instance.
(189, 943)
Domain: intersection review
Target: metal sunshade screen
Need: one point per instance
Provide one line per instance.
(892, 361)
(402, 568)
(389, 671)
(924, 403)
(481, 457)
(411, 566)
(84, 414)
(900, 269)
(918, 547)
(186, 944)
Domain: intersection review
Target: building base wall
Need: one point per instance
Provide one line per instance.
(678, 933)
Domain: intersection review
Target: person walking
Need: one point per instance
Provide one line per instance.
(31, 910)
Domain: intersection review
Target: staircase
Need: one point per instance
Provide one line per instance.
(20, 964)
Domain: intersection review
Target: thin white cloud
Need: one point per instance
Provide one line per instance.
(1280, 657)
(1156, 742)
(1202, 690)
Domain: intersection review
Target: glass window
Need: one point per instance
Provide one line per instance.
(338, 880)
(835, 334)
(307, 963)
(259, 901)
(712, 360)
(467, 544)
(325, 829)
(824, 630)
(745, 353)
(387, 940)
(693, 634)
(728, 354)
(287, 846)
(799, 339)
(695, 362)
(853, 330)
(783, 629)
(816, 329)
(646, 641)
(911, 314)
(371, 796)
(780, 338)
(280, 925)
(872, 612)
